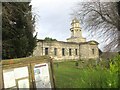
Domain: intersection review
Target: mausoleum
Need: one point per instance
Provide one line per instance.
(75, 48)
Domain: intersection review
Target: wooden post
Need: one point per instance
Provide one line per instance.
(1, 76)
(79, 52)
(52, 71)
(32, 82)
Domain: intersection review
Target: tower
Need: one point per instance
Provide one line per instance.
(75, 29)
(76, 33)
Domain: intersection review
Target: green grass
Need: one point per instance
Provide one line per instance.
(69, 76)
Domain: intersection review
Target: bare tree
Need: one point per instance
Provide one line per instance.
(102, 18)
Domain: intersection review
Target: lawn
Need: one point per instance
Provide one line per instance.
(68, 75)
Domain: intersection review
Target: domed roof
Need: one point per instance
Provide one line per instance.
(93, 42)
(75, 20)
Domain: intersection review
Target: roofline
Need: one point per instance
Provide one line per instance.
(68, 42)
(58, 41)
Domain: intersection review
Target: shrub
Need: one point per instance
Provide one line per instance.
(67, 76)
(115, 69)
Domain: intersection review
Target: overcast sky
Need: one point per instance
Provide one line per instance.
(53, 20)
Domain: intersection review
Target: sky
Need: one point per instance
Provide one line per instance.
(53, 19)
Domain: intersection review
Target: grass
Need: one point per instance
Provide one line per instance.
(69, 76)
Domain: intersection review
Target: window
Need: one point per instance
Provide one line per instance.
(63, 51)
(93, 51)
(76, 52)
(46, 51)
(55, 51)
(70, 53)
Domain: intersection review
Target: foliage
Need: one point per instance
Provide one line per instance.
(114, 64)
(118, 6)
(17, 30)
(101, 18)
(68, 76)
(49, 39)
(115, 67)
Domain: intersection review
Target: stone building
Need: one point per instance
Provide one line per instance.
(75, 48)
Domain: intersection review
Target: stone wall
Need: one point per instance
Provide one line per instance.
(38, 49)
(84, 51)
(76, 39)
(88, 51)
(59, 45)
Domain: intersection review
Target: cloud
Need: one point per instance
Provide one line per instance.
(54, 20)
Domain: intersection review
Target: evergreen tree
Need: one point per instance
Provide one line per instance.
(17, 30)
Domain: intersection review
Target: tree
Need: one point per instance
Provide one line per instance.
(102, 19)
(49, 39)
(17, 30)
(118, 6)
